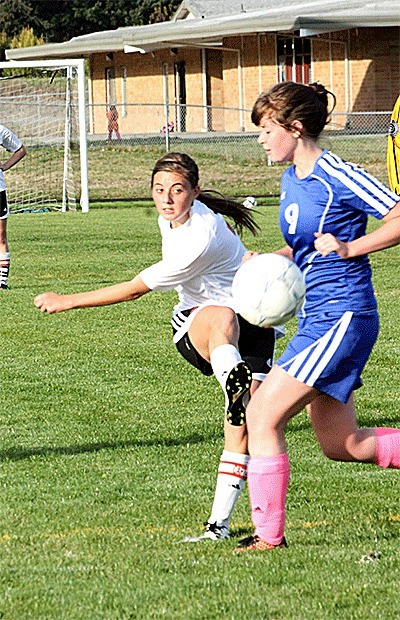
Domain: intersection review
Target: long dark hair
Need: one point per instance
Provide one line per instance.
(290, 101)
(185, 166)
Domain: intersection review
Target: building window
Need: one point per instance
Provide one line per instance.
(294, 59)
(110, 85)
(123, 92)
(180, 94)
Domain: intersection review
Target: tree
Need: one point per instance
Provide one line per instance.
(61, 20)
(26, 38)
(154, 11)
(15, 15)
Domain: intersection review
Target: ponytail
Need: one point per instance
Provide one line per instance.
(240, 215)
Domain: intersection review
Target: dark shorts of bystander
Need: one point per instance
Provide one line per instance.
(4, 212)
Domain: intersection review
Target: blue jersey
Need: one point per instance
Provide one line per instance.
(336, 198)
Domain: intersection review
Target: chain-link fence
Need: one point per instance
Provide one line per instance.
(229, 161)
(120, 164)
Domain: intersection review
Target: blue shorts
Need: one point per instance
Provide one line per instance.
(329, 351)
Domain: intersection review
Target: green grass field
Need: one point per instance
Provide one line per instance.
(110, 444)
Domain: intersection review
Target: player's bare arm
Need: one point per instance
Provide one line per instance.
(14, 159)
(386, 236)
(124, 291)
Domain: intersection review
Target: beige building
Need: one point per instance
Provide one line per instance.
(213, 59)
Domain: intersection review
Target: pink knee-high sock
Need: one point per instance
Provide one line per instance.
(268, 480)
(388, 447)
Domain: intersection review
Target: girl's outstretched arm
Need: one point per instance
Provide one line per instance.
(124, 291)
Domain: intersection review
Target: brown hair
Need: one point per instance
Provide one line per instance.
(288, 102)
(182, 164)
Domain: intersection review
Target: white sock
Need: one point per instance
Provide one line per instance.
(223, 358)
(232, 475)
(4, 269)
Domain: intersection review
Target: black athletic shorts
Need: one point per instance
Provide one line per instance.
(256, 346)
(3, 205)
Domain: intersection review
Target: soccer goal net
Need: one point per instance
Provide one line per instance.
(43, 104)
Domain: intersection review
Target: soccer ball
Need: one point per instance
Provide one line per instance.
(250, 202)
(268, 289)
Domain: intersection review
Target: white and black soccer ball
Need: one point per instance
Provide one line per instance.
(250, 202)
(268, 289)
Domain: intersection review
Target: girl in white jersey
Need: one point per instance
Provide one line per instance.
(325, 203)
(200, 255)
(13, 145)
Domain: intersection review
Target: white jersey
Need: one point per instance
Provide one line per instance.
(11, 143)
(199, 259)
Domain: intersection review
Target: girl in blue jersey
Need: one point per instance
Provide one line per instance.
(324, 206)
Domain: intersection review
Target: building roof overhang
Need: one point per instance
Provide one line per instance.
(305, 17)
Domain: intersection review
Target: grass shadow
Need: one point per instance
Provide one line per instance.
(18, 453)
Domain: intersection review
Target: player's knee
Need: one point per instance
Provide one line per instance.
(345, 450)
(225, 321)
(260, 423)
(333, 453)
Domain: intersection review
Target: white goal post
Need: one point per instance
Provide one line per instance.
(44, 103)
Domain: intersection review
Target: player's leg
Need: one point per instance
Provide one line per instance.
(335, 423)
(337, 431)
(257, 347)
(279, 398)
(214, 333)
(212, 327)
(234, 458)
(5, 255)
(310, 355)
(231, 479)
(341, 439)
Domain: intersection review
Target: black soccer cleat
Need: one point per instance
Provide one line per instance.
(212, 532)
(237, 389)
